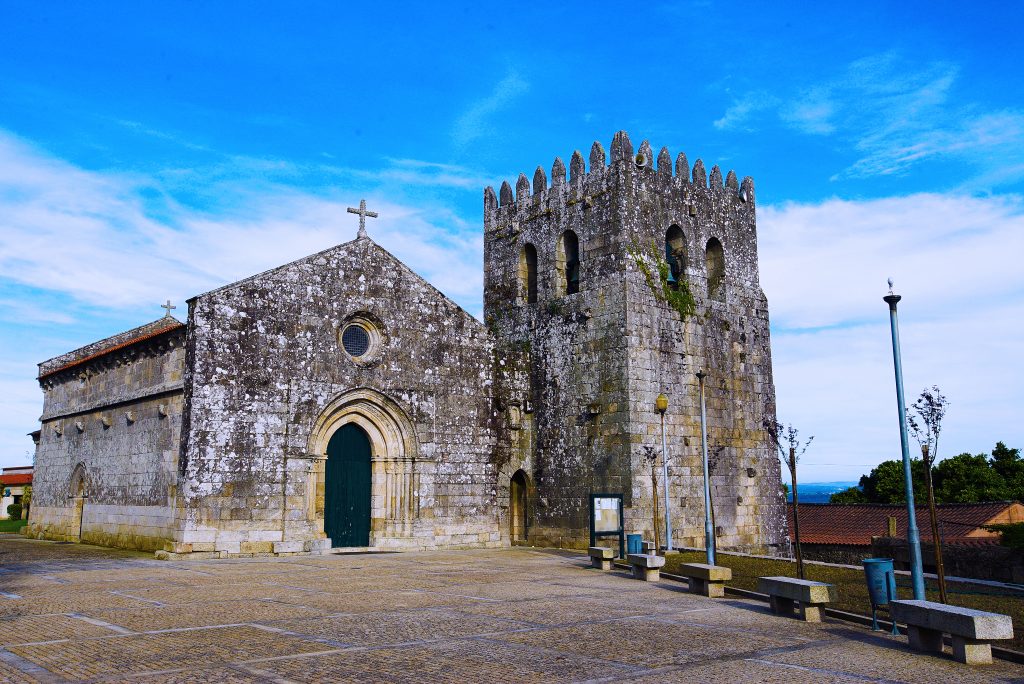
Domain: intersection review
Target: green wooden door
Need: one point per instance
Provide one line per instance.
(347, 492)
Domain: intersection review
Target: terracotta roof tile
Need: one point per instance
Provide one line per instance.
(16, 479)
(144, 333)
(855, 524)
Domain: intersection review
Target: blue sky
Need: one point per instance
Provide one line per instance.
(155, 150)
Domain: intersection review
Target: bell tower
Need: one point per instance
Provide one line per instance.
(604, 289)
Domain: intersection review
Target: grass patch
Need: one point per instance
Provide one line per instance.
(852, 590)
(9, 526)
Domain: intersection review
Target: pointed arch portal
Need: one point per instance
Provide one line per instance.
(364, 485)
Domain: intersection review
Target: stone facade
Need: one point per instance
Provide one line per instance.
(212, 437)
(591, 363)
(269, 381)
(108, 447)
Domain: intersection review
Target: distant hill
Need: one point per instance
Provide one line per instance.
(819, 492)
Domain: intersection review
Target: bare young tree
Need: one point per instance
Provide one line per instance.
(787, 441)
(650, 455)
(924, 418)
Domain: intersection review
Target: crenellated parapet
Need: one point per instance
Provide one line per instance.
(643, 165)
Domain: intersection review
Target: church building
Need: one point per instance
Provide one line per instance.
(342, 401)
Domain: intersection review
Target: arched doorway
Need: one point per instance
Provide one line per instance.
(517, 507)
(347, 487)
(78, 494)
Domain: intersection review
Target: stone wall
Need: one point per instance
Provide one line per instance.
(977, 561)
(591, 363)
(269, 381)
(106, 462)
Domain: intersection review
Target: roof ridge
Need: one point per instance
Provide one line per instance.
(108, 345)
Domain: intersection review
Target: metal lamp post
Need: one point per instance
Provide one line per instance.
(913, 536)
(662, 403)
(709, 530)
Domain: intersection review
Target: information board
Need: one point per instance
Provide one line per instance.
(606, 519)
(606, 514)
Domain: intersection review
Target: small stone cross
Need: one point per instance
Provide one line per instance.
(362, 216)
(168, 306)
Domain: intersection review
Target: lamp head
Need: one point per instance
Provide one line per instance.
(662, 403)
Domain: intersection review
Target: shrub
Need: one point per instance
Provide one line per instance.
(14, 511)
(1010, 534)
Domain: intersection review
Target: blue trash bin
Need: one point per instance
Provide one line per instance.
(881, 578)
(634, 542)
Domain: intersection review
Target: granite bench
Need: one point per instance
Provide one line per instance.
(646, 566)
(708, 580)
(971, 630)
(601, 557)
(783, 592)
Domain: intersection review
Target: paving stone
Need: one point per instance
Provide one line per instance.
(370, 601)
(30, 628)
(379, 629)
(203, 614)
(85, 658)
(456, 662)
(213, 675)
(645, 641)
(513, 615)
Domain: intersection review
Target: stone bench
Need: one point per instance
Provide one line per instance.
(971, 630)
(708, 580)
(601, 557)
(646, 566)
(783, 592)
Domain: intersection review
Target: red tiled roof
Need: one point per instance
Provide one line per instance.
(16, 479)
(855, 524)
(159, 330)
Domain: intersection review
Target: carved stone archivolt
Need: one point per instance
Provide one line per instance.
(395, 480)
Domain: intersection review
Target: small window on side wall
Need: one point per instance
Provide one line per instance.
(568, 262)
(715, 261)
(528, 274)
(675, 255)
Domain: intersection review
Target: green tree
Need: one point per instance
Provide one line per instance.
(968, 479)
(884, 484)
(1008, 463)
(852, 495)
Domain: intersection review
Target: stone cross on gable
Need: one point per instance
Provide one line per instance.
(168, 306)
(362, 216)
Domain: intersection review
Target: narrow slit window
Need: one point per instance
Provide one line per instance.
(675, 254)
(528, 273)
(569, 262)
(715, 259)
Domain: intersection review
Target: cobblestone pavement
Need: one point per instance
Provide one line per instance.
(79, 613)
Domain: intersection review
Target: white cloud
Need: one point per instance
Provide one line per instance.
(739, 114)
(892, 114)
(91, 235)
(955, 261)
(93, 242)
(473, 123)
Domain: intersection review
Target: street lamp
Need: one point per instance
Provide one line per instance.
(709, 530)
(662, 404)
(913, 536)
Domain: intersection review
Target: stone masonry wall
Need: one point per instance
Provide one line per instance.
(111, 425)
(599, 358)
(266, 364)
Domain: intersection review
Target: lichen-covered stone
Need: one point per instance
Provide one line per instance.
(211, 438)
(589, 365)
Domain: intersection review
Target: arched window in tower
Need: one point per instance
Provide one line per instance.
(528, 274)
(715, 259)
(567, 261)
(675, 254)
